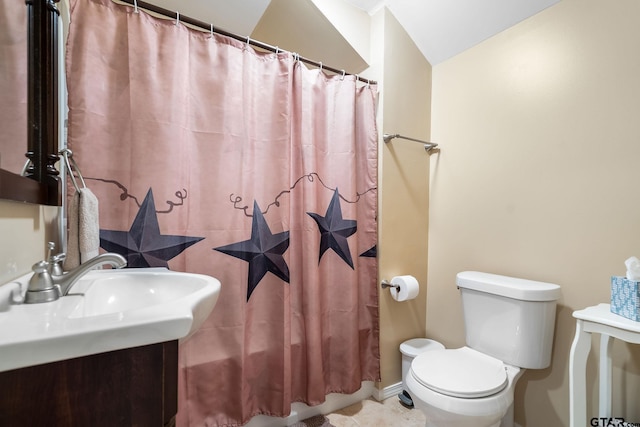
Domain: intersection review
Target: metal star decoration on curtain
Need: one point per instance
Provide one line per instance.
(334, 230)
(370, 253)
(263, 251)
(143, 245)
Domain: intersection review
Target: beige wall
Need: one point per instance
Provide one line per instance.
(312, 34)
(24, 229)
(403, 188)
(538, 178)
(352, 22)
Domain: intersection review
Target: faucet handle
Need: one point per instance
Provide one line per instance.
(55, 261)
(41, 287)
(51, 246)
(40, 267)
(41, 279)
(55, 264)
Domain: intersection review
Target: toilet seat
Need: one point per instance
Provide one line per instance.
(461, 372)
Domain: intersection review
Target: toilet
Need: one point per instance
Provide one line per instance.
(509, 327)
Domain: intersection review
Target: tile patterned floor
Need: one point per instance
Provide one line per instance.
(371, 413)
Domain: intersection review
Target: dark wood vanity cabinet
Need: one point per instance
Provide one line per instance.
(130, 387)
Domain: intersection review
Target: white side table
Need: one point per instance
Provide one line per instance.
(595, 320)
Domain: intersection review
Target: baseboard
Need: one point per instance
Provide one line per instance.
(388, 391)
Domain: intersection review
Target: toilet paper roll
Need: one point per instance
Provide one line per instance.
(407, 288)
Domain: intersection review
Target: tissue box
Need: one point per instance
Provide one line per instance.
(625, 297)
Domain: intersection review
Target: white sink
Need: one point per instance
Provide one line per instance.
(106, 310)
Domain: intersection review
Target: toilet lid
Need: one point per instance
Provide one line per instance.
(461, 372)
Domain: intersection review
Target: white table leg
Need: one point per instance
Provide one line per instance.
(605, 376)
(577, 376)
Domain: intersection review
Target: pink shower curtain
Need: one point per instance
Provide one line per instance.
(212, 158)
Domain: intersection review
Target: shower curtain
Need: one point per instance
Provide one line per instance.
(210, 157)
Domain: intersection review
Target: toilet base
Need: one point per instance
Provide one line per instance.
(507, 420)
(439, 418)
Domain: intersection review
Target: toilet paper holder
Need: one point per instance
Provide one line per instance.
(386, 284)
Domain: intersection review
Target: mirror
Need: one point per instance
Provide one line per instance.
(13, 85)
(29, 122)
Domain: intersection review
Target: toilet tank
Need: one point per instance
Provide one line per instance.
(508, 318)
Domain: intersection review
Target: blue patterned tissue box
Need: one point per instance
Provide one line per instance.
(625, 297)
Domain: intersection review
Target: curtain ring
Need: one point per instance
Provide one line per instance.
(277, 50)
(135, 6)
(343, 73)
(368, 83)
(211, 31)
(177, 17)
(320, 66)
(248, 42)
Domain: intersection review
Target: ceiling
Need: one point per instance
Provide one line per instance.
(443, 28)
(440, 28)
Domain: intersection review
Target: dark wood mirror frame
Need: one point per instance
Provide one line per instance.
(41, 183)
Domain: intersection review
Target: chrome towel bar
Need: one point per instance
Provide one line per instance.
(429, 146)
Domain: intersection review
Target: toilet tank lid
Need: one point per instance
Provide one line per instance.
(510, 287)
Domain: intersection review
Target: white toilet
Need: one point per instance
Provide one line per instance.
(509, 326)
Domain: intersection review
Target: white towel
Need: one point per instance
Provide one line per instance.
(83, 240)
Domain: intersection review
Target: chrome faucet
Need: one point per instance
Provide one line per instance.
(48, 283)
(67, 280)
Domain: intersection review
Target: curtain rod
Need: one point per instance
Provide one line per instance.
(427, 145)
(210, 27)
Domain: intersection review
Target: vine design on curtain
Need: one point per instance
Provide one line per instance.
(181, 195)
(311, 177)
(155, 106)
